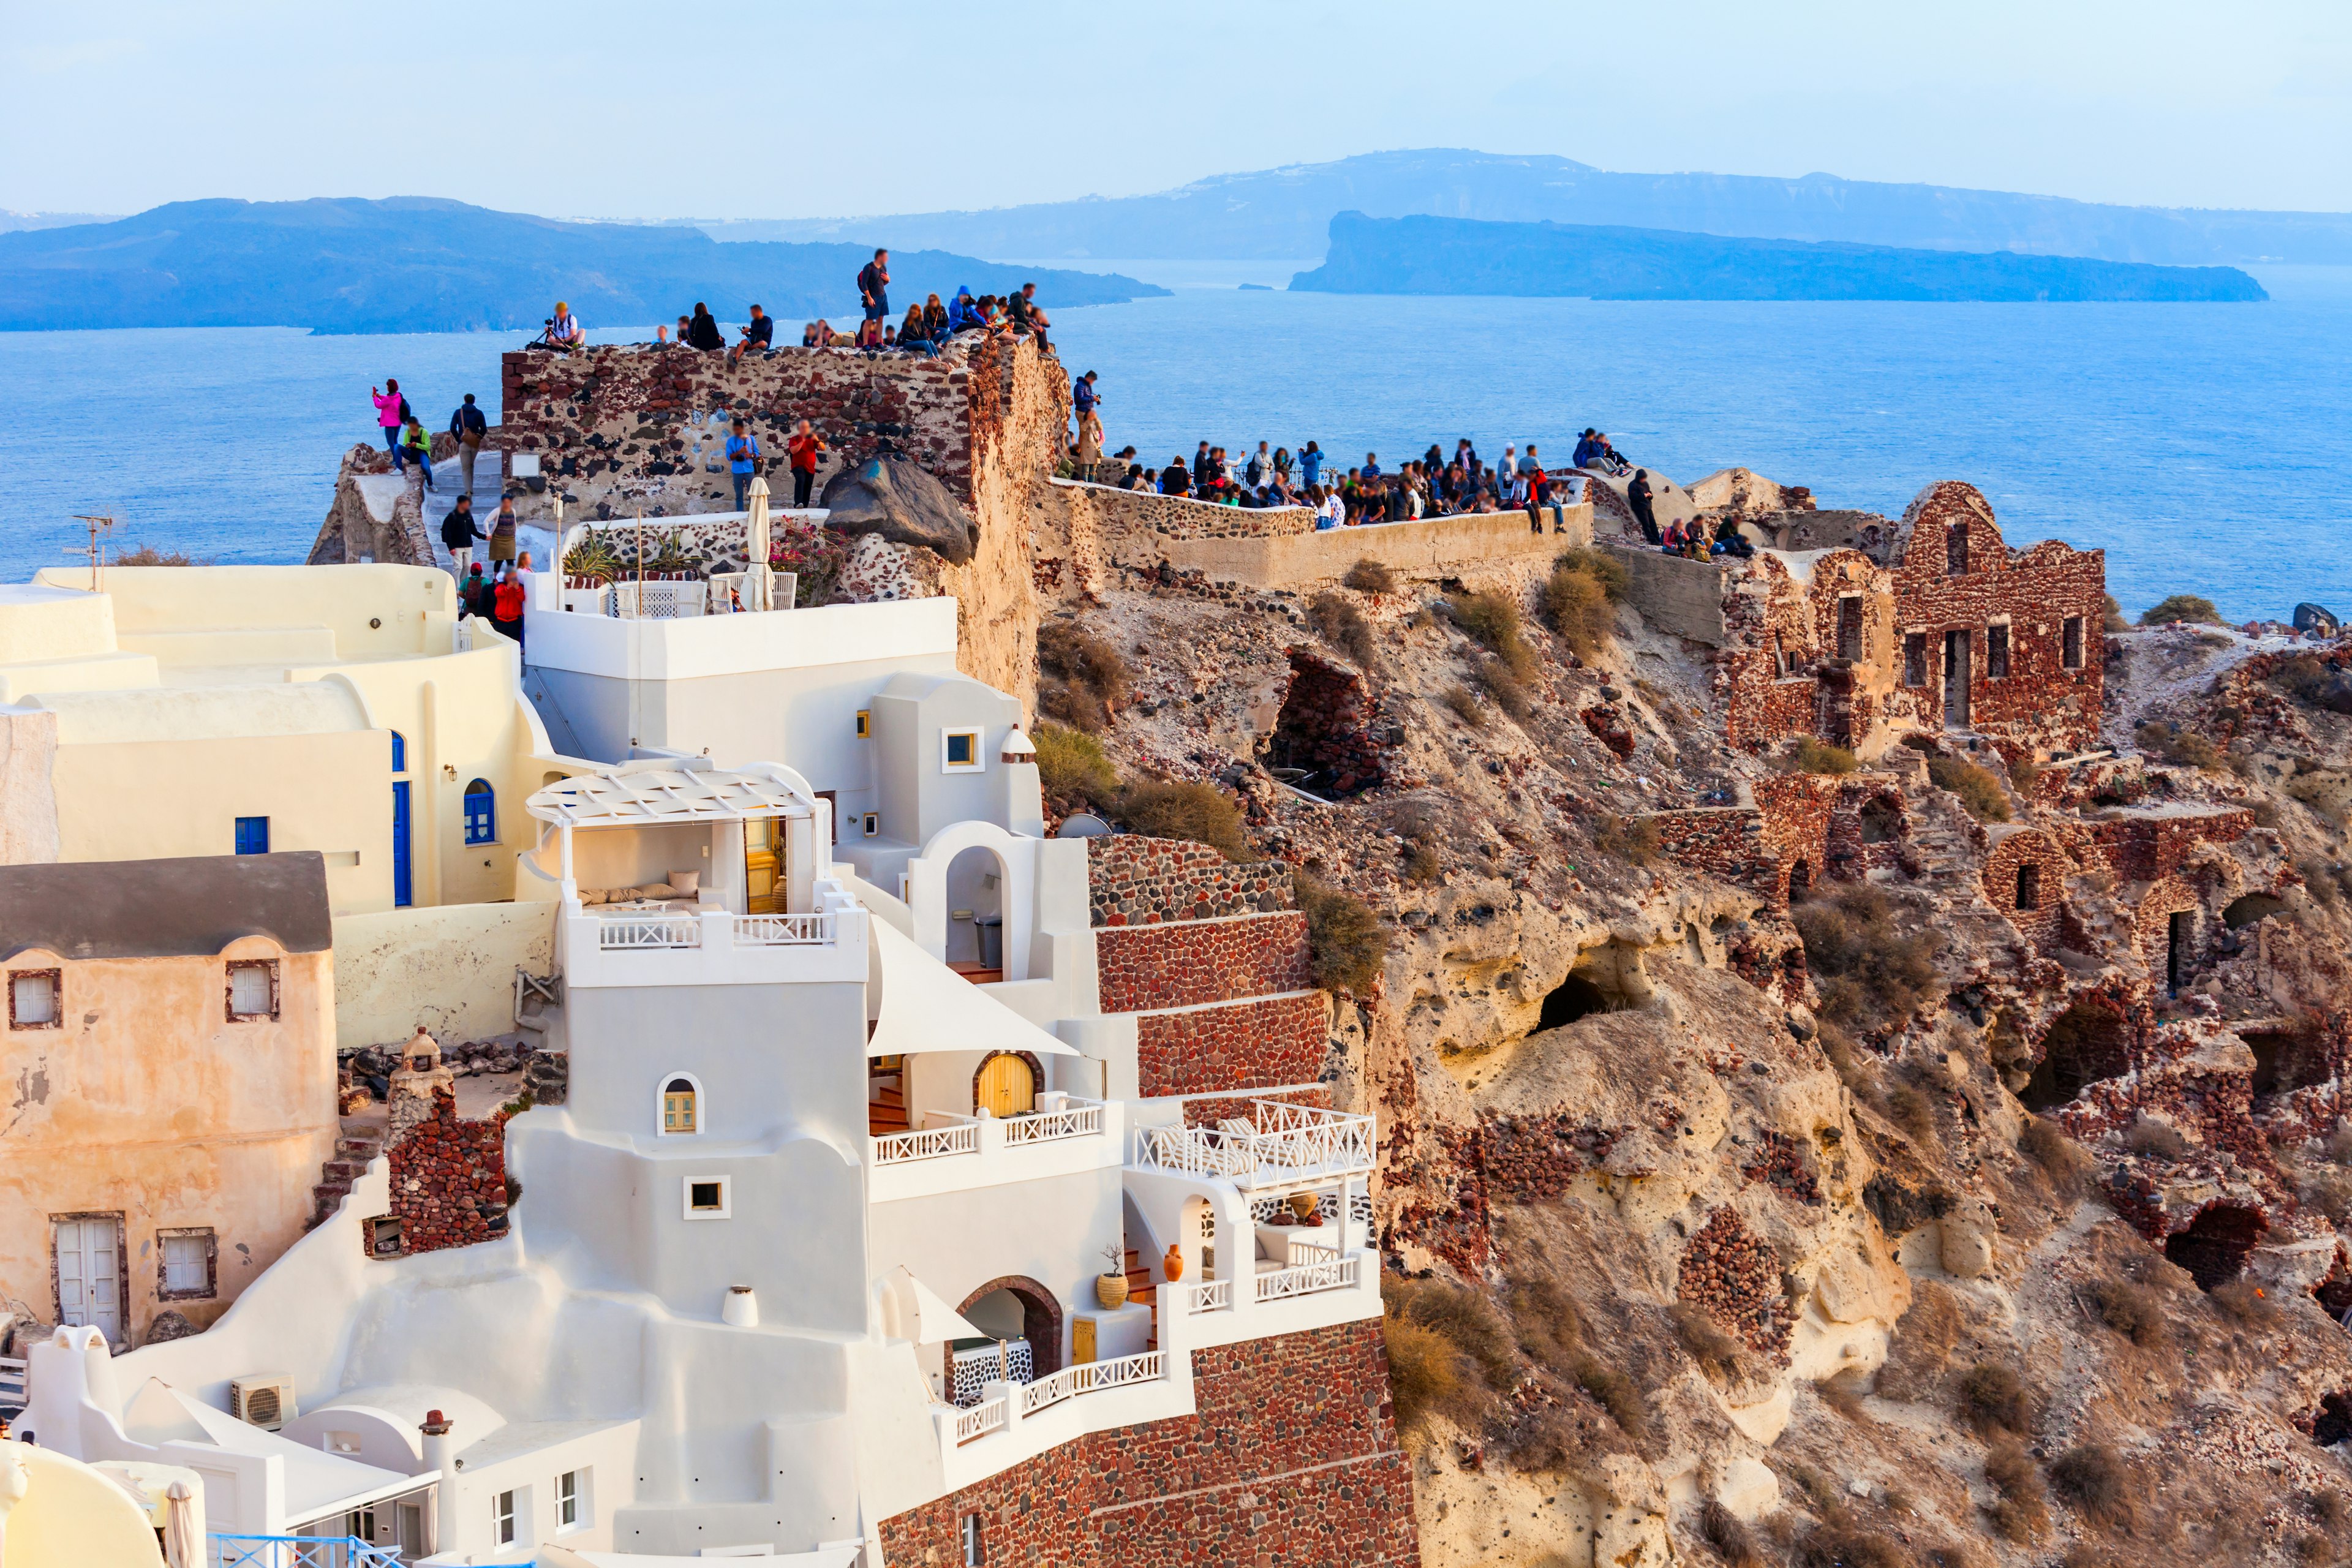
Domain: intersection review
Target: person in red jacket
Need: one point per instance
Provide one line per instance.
(805, 447)
(506, 600)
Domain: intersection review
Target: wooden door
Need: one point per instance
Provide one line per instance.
(89, 1277)
(1007, 1086)
(763, 867)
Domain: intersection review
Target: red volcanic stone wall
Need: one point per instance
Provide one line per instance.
(1731, 1274)
(1797, 809)
(2144, 849)
(449, 1179)
(2004, 878)
(1326, 726)
(1256, 1044)
(1186, 964)
(1291, 1461)
(1725, 841)
(1134, 881)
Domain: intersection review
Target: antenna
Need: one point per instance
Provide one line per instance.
(100, 527)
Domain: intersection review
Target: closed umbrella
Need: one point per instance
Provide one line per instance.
(755, 546)
(183, 1535)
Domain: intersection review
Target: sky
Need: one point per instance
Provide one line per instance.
(732, 109)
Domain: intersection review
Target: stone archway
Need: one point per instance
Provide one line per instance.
(2214, 1245)
(2086, 1044)
(1041, 1317)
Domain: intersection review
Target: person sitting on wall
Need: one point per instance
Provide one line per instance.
(1729, 540)
(913, 337)
(759, 336)
(935, 320)
(416, 447)
(563, 331)
(964, 312)
(1175, 479)
(702, 332)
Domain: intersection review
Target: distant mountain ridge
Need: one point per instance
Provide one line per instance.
(416, 264)
(1455, 256)
(1283, 213)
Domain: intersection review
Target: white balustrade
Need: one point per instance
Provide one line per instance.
(1207, 1295)
(989, 1416)
(930, 1143)
(617, 933)
(1080, 1118)
(1306, 1280)
(782, 930)
(1282, 1144)
(1088, 1378)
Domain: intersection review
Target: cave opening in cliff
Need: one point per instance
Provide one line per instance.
(1322, 739)
(2213, 1248)
(2332, 1424)
(1578, 996)
(2084, 1046)
(2335, 1293)
(1801, 881)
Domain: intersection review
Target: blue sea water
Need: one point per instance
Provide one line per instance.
(2205, 446)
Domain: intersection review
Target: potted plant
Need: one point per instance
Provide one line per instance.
(1110, 1285)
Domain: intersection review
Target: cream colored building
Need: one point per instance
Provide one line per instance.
(230, 709)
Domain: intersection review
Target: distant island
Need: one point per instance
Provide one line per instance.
(418, 264)
(1281, 214)
(1456, 256)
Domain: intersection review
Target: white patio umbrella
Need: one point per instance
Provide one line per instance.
(184, 1537)
(755, 546)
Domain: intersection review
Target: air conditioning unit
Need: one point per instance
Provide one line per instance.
(264, 1399)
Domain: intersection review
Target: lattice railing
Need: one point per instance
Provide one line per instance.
(1307, 1280)
(1080, 1118)
(1207, 1295)
(782, 930)
(930, 1143)
(1088, 1378)
(988, 1416)
(619, 933)
(296, 1551)
(1282, 1144)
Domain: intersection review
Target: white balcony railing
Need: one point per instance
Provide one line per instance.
(1306, 1280)
(1080, 1119)
(930, 1144)
(618, 933)
(988, 1416)
(1280, 1145)
(782, 930)
(1207, 1295)
(1088, 1377)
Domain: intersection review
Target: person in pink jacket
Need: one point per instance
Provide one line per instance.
(390, 413)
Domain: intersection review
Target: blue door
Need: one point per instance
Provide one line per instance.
(399, 882)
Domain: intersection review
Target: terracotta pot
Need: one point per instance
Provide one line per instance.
(1172, 1265)
(1303, 1204)
(1110, 1291)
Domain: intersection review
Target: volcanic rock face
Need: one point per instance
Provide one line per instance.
(895, 499)
(1944, 1161)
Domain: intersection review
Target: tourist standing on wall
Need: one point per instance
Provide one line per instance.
(392, 412)
(468, 426)
(805, 447)
(742, 460)
(1083, 397)
(874, 286)
(1637, 496)
(460, 529)
(502, 531)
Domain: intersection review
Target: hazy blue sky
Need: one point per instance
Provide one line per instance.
(776, 111)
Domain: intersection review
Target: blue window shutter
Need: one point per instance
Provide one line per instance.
(482, 813)
(399, 752)
(253, 836)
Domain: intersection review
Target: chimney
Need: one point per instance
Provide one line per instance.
(740, 1308)
(441, 1453)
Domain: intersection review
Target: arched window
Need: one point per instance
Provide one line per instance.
(482, 813)
(399, 752)
(681, 1108)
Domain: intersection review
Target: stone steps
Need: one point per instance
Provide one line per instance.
(337, 1173)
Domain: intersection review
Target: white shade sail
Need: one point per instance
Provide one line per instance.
(937, 1321)
(927, 1006)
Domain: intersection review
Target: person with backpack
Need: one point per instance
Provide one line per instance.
(874, 287)
(742, 460)
(458, 532)
(468, 426)
(392, 412)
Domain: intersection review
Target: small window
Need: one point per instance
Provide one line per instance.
(1996, 650)
(2029, 888)
(482, 813)
(36, 999)
(253, 836)
(187, 1265)
(399, 752)
(2072, 651)
(1915, 659)
(706, 1197)
(567, 1500)
(1956, 549)
(383, 1236)
(974, 1554)
(1848, 628)
(252, 992)
(960, 751)
(873, 823)
(864, 723)
(502, 1519)
(680, 1103)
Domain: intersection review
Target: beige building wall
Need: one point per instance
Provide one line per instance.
(448, 970)
(146, 1102)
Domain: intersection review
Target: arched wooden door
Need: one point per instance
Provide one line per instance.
(1007, 1086)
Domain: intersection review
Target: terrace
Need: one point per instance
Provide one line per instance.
(1277, 1145)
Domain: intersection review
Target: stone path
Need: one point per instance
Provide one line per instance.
(441, 499)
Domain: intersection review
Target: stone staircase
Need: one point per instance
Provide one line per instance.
(1946, 841)
(1140, 1287)
(350, 1162)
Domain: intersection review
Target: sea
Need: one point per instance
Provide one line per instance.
(2207, 448)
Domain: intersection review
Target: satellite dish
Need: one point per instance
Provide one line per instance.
(1082, 825)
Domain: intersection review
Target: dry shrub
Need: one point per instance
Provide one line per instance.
(1993, 1399)
(2062, 1160)
(1081, 679)
(1200, 812)
(1809, 755)
(2114, 618)
(1346, 939)
(2021, 1511)
(2186, 747)
(1923, 1344)
(2023, 773)
(1871, 973)
(2133, 1310)
(2160, 1140)
(1842, 1393)
(1504, 686)
(1716, 1352)
(1422, 865)
(1912, 1111)
(2176, 608)
(1849, 1544)
(1979, 791)
(1721, 1528)
(1369, 576)
(1615, 1392)
(1073, 770)
(1551, 1331)
(1548, 1439)
(1464, 1317)
(2243, 1302)
(1602, 567)
(1337, 622)
(1426, 1373)
(2091, 1480)
(1492, 620)
(1633, 839)
(1579, 602)
(1463, 705)
(148, 555)
(2332, 1510)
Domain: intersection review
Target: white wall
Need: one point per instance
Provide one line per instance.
(450, 969)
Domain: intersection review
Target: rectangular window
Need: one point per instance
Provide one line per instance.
(2072, 657)
(864, 723)
(253, 836)
(383, 1236)
(1956, 549)
(2029, 887)
(706, 1197)
(187, 1269)
(502, 1519)
(873, 823)
(36, 999)
(482, 813)
(252, 992)
(1996, 650)
(974, 1554)
(1915, 659)
(567, 1500)
(1848, 628)
(960, 751)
